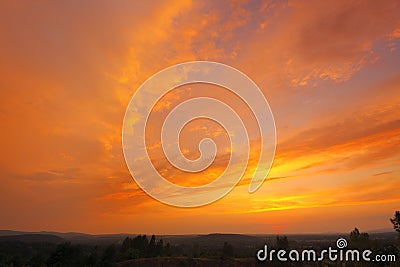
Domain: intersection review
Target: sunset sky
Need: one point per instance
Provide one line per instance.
(330, 71)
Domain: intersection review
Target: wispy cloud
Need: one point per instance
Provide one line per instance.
(328, 69)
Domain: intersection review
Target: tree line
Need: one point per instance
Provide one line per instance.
(14, 254)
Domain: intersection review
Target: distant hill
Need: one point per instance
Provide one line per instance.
(11, 232)
(78, 238)
(214, 239)
(227, 236)
(230, 238)
(32, 238)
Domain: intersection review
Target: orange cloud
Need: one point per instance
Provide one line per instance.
(328, 70)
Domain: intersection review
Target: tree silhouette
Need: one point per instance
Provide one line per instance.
(167, 250)
(143, 244)
(109, 256)
(282, 242)
(159, 247)
(140, 247)
(359, 240)
(396, 224)
(396, 221)
(228, 250)
(151, 249)
(67, 255)
(127, 244)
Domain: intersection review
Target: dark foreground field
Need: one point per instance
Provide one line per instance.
(185, 261)
(214, 250)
